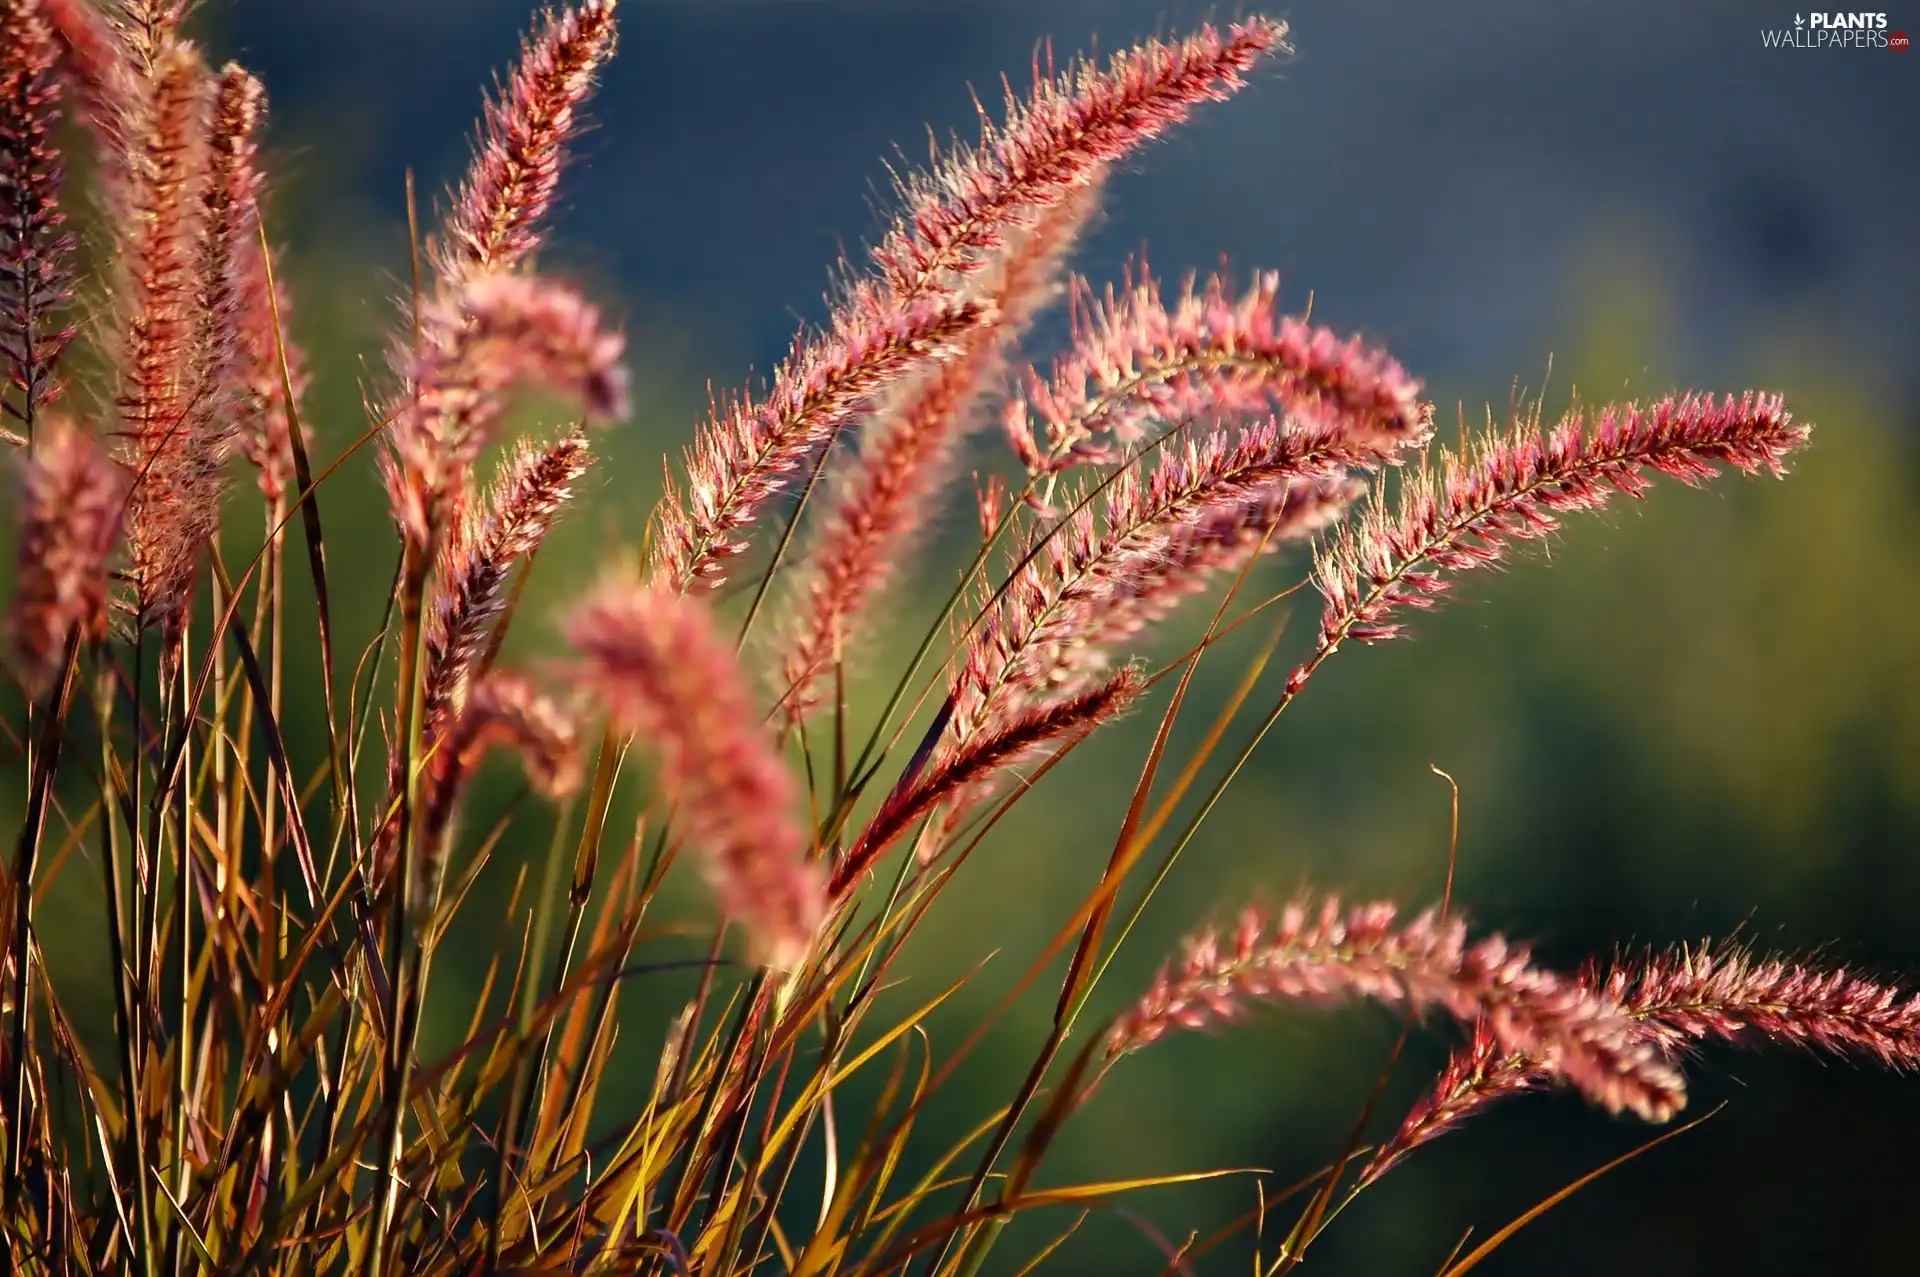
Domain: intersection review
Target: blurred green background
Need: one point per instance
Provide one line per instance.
(1692, 717)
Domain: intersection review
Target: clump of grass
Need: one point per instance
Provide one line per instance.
(267, 1106)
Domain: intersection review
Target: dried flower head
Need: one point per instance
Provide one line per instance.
(485, 544)
(1135, 547)
(963, 778)
(502, 710)
(1134, 362)
(1512, 486)
(70, 519)
(36, 249)
(501, 332)
(1326, 952)
(651, 656)
(884, 501)
(496, 220)
(747, 451)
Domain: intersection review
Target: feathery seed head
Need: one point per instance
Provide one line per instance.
(747, 450)
(652, 657)
(266, 351)
(502, 710)
(174, 439)
(1511, 487)
(70, 511)
(1677, 1000)
(159, 170)
(147, 27)
(1062, 137)
(1725, 993)
(1134, 362)
(1477, 1075)
(968, 775)
(1135, 548)
(481, 549)
(92, 56)
(892, 492)
(226, 228)
(1326, 953)
(495, 224)
(506, 707)
(1051, 149)
(500, 332)
(36, 249)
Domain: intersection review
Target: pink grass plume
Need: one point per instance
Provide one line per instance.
(70, 521)
(92, 59)
(652, 657)
(158, 179)
(964, 775)
(497, 334)
(269, 363)
(485, 544)
(503, 711)
(1326, 953)
(1132, 550)
(266, 363)
(1678, 1001)
(1051, 146)
(147, 27)
(748, 450)
(495, 223)
(228, 197)
(1135, 361)
(1056, 140)
(36, 248)
(1513, 486)
(1724, 993)
(1477, 1076)
(892, 492)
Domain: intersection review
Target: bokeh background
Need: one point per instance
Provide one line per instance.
(1701, 717)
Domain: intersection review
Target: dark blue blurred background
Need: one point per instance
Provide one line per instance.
(1446, 175)
(1703, 718)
